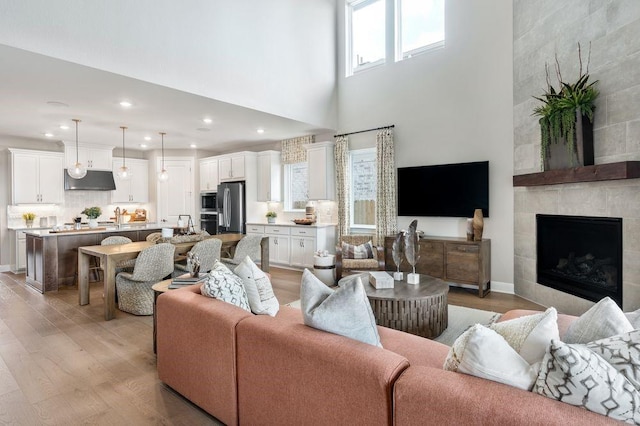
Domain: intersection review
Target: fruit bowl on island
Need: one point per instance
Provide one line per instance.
(304, 221)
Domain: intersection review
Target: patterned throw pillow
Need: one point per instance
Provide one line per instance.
(482, 352)
(258, 288)
(224, 285)
(363, 251)
(576, 375)
(345, 311)
(623, 353)
(604, 319)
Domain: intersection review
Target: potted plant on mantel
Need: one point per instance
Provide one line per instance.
(566, 120)
(93, 213)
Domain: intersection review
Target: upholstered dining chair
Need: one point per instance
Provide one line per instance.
(125, 265)
(154, 237)
(355, 254)
(249, 245)
(153, 264)
(208, 251)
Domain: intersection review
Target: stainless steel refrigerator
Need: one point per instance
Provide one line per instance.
(231, 208)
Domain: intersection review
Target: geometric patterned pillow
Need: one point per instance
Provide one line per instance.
(258, 287)
(576, 375)
(623, 353)
(224, 285)
(363, 251)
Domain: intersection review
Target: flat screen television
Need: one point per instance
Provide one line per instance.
(447, 190)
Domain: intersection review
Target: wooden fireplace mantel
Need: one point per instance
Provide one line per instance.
(598, 172)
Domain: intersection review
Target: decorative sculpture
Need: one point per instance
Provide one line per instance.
(412, 251)
(195, 266)
(397, 251)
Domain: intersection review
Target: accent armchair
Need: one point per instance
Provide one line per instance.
(208, 251)
(345, 260)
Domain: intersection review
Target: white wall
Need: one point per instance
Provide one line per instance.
(451, 105)
(275, 56)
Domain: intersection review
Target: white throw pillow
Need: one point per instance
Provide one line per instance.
(258, 288)
(482, 352)
(530, 335)
(224, 285)
(634, 318)
(576, 375)
(604, 319)
(345, 311)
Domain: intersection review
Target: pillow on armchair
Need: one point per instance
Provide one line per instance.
(362, 251)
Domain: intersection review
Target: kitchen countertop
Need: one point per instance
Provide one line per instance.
(46, 232)
(315, 225)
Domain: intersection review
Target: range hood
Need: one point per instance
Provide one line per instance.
(95, 180)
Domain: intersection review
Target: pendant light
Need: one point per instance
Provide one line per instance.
(76, 171)
(123, 171)
(163, 176)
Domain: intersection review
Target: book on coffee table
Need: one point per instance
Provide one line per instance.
(183, 281)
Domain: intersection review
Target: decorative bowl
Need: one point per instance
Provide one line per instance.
(304, 221)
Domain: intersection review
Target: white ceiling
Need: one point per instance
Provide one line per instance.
(29, 82)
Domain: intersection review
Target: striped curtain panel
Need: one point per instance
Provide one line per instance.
(386, 207)
(293, 149)
(341, 151)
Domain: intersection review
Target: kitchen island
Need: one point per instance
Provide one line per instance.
(52, 257)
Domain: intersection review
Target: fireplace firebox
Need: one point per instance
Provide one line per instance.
(580, 255)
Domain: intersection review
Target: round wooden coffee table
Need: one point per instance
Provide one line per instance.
(419, 309)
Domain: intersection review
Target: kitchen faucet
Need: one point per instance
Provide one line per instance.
(118, 216)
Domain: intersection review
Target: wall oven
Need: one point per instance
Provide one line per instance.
(208, 202)
(209, 222)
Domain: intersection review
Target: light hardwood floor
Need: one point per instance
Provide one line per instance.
(62, 364)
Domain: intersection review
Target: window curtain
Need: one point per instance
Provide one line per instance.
(341, 151)
(386, 210)
(293, 149)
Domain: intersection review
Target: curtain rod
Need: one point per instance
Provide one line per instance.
(363, 131)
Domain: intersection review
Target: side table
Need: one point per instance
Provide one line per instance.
(158, 289)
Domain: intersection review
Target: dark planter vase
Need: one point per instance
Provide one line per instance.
(559, 157)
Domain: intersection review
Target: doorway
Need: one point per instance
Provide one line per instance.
(175, 196)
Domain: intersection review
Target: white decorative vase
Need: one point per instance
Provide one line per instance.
(271, 220)
(398, 276)
(93, 223)
(413, 278)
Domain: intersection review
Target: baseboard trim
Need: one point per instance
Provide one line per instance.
(5, 268)
(500, 287)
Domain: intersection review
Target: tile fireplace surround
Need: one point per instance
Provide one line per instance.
(619, 198)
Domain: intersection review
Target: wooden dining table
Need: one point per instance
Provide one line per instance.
(111, 255)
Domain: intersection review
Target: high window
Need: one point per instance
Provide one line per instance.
(363, 188)
(399, 29)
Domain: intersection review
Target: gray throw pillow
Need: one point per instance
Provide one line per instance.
(222, 284)
(604, 319)
(345, 311)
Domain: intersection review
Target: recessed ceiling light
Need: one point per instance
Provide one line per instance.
(125, 104)
(203, 129)
(147, 138)
(143, 145)
(260, 131)
(49, 135)
(207, 120)
(193, 145)
(64, 127)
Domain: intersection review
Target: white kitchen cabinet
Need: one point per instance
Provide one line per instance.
(36, 177)
(19, 257)
(279, 242)
(302, 251)
(256, 230)
(209, 179)
(231, 167)
(269, 176)
(321, 170)
(136, 188)
(93, 157)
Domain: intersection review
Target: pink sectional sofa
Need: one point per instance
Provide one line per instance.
(247, 369)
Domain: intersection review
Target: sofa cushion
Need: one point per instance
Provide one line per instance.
(530, 335)
(604, 319)
(258, 288)
(362, 251)
(224, 285)
(482, 352)
(576, 375)
(623, 353)
(345, 311)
